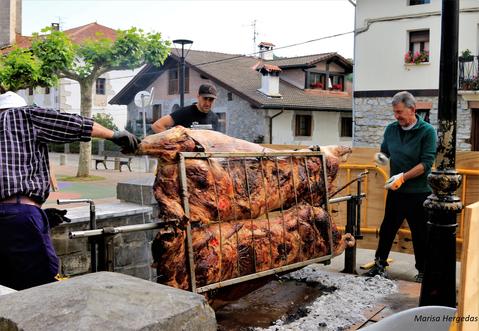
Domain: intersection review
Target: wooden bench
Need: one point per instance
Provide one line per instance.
(118, 158)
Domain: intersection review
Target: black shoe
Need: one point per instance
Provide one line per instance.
(418, 278)
(378, 269)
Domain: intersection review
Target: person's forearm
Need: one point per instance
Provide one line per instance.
(99, 131)
(157, 128)
(418, 170)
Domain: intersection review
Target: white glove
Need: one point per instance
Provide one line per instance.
(381, 159)
(395, 182)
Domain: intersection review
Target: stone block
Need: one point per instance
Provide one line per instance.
(131, 254)
(6, 290)
(105, 301)
(138, 191)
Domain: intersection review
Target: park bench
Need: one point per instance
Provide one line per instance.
(117, 158)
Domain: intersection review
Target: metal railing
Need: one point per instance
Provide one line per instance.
(469, 73)
(366, 228)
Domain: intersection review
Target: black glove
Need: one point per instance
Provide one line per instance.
(56, 216)
(127, 141)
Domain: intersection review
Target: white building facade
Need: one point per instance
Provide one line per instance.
(397, 47)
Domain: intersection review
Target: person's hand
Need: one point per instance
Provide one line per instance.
(56, 216)
(127, 141)
(381, 159)
(395, 182)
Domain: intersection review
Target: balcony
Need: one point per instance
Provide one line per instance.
(469, 73)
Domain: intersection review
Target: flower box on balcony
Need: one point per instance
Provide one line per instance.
(317, 85)
(338, 87)
(416, 58)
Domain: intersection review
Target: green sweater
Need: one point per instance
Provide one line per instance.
(408, 148)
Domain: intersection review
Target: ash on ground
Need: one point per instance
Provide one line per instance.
(338, 309)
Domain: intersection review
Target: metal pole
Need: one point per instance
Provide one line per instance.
(350, 252)
(182, 42)
(92, 226)
(144, 129)
(439, 282)
(182, 76)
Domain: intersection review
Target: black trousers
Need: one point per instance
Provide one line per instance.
(400, 206)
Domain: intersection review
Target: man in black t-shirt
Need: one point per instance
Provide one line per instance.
(199, 113)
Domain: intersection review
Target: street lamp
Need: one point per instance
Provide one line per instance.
(182, 42)
(439, 282)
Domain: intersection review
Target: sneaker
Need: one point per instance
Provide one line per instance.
(378, 269)
(418, 278)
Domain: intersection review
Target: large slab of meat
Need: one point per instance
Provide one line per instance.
(247, 214)
(231, 249)
(225, 189)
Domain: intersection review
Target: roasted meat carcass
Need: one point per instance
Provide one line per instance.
(231, 249)
(233, 189)
(247, 214)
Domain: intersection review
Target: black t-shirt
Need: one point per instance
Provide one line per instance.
(187, 115)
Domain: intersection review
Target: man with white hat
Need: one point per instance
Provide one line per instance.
(26, 251)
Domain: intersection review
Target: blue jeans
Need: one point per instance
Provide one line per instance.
(27, 257)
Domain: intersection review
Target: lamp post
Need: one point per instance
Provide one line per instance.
(182, 42)
(439, 282)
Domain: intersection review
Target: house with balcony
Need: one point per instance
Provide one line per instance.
(66, 96)
(298, 100)
(397, 47)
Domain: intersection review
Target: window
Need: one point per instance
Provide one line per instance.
(303, 125)
(418, 2)
(221, 122)
(317, 81)
(47, 90)
(156, 110)
(424, 114)
(419, 41)
(30, 91)
(174, 80)
(100, 86)
(230, 96)
(337, 82)
(346, 126)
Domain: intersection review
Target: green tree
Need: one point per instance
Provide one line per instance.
(53, 56)
(106, 120)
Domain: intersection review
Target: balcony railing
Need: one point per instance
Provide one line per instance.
(469, 73)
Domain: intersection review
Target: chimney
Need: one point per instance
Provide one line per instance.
(269, 80)
(266, 50)
(10, 21)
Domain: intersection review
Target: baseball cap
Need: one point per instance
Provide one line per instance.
(11, 100)
(207, 91)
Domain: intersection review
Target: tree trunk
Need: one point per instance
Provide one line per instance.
(85, 147)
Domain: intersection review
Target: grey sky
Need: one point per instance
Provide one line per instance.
(222, 26)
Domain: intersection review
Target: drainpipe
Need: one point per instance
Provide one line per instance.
(439, 282)
(271, 125)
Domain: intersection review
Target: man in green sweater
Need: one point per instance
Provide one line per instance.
(410, 145)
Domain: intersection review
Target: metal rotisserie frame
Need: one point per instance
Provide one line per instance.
(260, 157)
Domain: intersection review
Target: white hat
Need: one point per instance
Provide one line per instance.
(11, 100)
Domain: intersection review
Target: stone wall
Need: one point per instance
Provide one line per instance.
(372, 115)
(132, 251)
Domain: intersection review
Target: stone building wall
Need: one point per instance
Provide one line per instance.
(372, 115)
(132, 251)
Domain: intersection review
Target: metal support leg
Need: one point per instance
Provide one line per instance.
(350, 252)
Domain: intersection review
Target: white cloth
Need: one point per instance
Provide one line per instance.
(11, 100)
